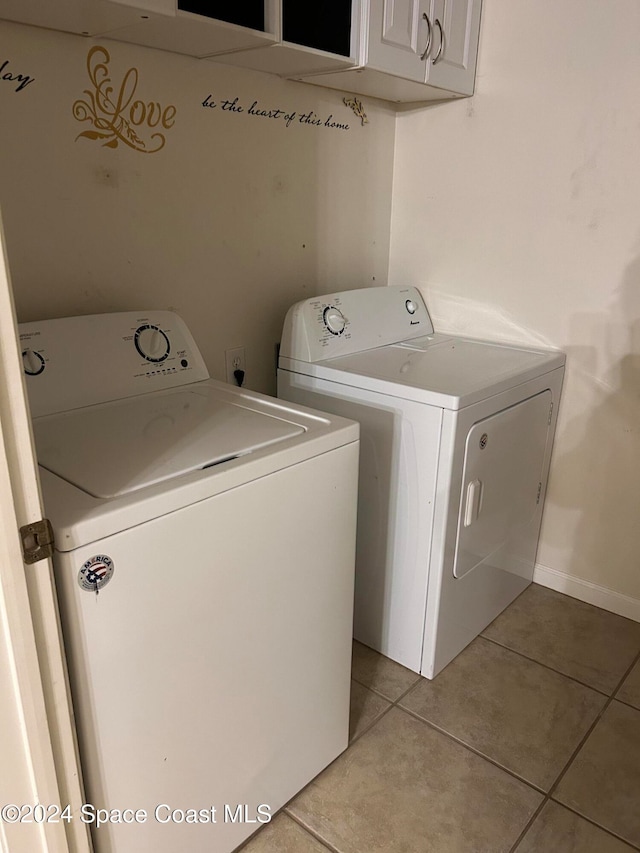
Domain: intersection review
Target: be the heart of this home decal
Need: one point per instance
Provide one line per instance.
(287, 117)
(115, 115)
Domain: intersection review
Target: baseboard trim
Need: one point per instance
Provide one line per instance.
(589, 592)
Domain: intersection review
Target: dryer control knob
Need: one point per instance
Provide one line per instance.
(152, 343)
(411, 306)
(32, 362)
(334, 320)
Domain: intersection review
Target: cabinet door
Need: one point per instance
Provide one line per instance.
(452, 57)
(398, 36)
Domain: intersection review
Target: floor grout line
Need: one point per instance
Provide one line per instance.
(546, 666)
(593, 822)
(313, 833)
(368, 728)
(549, 795)
(528, 825)
(472, 749)
(624, 678)
(599, 716)
(393, 703)
(378, 692)
(626, 703)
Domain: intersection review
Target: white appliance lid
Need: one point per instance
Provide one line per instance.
(459, 368)
(112, 449)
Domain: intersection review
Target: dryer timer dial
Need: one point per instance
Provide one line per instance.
(334, 320)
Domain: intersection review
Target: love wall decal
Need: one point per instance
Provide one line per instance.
(115, 115)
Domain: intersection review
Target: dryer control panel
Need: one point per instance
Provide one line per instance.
(352, 321)
(80, 361)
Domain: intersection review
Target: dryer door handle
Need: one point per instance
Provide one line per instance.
(474, 502)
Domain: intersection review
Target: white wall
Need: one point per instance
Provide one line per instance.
(236, 218)
(518, 214)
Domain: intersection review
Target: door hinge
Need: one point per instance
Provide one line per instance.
(539, 493)
(550, 414)
(37, 541)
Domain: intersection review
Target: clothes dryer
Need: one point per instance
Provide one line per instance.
(206, 612)
(456, 438)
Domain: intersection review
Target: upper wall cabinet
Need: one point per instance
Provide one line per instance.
(414, 50)
(397, 50)
(433, 41)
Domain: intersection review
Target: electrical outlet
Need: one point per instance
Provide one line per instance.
(234, 360)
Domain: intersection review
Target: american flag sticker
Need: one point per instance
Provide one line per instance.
(95, 573)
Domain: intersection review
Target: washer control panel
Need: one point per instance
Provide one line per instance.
(353, 321)
(80, 361)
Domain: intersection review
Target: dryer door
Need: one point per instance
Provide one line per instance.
(502, 479)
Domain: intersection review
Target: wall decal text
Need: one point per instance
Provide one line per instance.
(310, 119)
(115, 116)
(8, 76)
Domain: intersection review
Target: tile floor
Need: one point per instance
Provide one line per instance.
(529, 742)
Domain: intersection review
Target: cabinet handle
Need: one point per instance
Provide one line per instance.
(438, 55)
(424, 55)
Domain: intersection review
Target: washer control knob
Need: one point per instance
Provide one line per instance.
(411, 306)
(152, 343)
(32, 362)
(334, 320)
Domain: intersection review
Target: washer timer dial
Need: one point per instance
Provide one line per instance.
(32, 362)
(334, 320)
(152, 343)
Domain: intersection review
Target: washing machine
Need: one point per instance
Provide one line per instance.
(456, 439)
(204, 566)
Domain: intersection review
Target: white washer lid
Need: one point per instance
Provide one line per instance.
(460, 371)
(115, 448)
